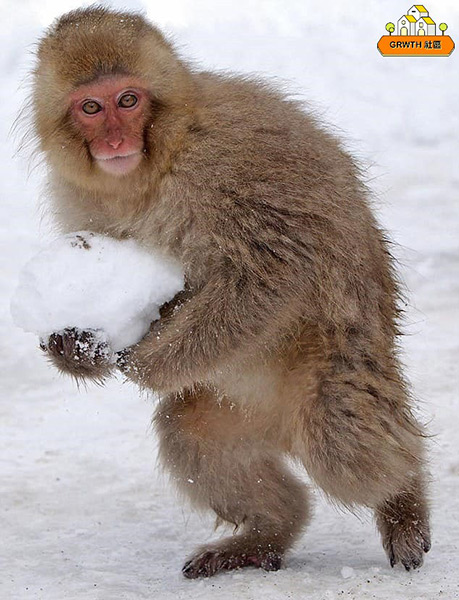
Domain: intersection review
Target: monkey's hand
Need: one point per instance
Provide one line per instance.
(81, 354)
(131, 362)
(124, 362)
(127, 362)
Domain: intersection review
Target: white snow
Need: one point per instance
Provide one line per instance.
(95, 283)
(84, 511)
(347, 572)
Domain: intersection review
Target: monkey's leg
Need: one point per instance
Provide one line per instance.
(217, 457)
(361, 444)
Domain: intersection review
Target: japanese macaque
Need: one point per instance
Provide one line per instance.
(283, 343)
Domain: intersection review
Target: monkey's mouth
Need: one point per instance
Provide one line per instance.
(119, 165)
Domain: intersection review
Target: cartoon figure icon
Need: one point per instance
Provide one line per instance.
(416, 35)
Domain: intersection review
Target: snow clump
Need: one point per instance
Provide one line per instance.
(94, 282)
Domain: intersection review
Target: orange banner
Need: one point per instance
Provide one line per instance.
(419, 45)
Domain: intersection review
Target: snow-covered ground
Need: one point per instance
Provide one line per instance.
(85, 512)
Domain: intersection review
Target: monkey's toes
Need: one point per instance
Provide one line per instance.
(408, 547)
(209, 562)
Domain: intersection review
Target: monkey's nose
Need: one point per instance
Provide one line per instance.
(115, 144)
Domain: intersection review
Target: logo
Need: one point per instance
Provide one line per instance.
(417, 34)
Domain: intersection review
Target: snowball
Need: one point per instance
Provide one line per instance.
(94, 282)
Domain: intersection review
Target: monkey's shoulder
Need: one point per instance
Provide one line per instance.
(257, 131)
(249, 140)
(246, 106)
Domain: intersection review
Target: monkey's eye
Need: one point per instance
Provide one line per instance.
(91, 107)
(127, 101)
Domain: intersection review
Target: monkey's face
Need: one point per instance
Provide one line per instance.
(110, 114)
(108, 94)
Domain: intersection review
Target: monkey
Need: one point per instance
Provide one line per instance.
(284, 342)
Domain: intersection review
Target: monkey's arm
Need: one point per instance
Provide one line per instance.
(235, 311)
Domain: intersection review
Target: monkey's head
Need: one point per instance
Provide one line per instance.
(105, 86)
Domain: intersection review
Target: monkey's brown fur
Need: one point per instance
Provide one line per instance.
(284, 342)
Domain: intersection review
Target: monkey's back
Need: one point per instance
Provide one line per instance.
(277, 186)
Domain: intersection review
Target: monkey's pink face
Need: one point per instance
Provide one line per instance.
(111, 116)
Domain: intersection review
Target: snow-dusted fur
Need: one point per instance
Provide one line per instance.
(285, 340)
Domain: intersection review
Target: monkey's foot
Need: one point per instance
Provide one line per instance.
(226, 558)
(406, 543)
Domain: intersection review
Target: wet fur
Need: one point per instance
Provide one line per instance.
(284, 343)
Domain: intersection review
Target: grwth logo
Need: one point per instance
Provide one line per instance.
(416, 36)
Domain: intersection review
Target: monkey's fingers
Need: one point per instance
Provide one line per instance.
(79, 353)
(122, 359)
